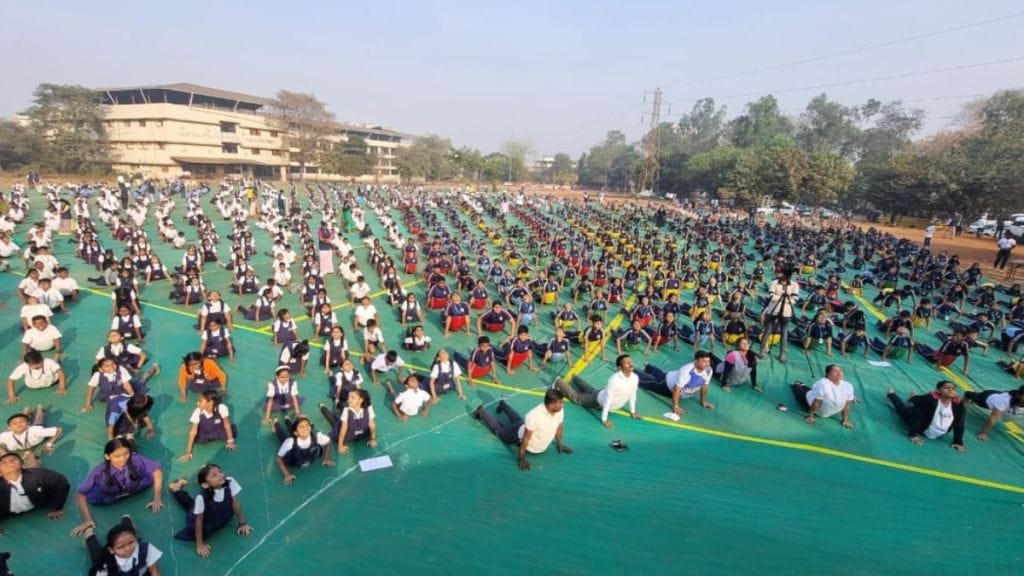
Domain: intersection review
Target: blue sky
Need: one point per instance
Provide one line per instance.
(559, 74)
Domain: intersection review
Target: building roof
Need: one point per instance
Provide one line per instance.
(196, 89)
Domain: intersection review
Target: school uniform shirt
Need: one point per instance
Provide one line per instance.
(380, 363)
(124, 377)
(153, 556)
(35, 378)
(688, 378)
(365, 313)
(66, 286)
(218, 493)
(446, 368)
(31, 437)
(621, 389)
(30, 311)
(304, 444)
(20, 502)
(51, 298)
(132, 320)
(358, 290)
(834, 397)
(290, 388)
(198, 413)
(543, 426)
(410, 401)
(41, 340)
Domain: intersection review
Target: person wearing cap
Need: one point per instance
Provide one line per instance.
(24, 489)
(621, 390)
(830, 395)
(534, 434)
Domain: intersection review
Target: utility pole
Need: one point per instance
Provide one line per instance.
(651, 144)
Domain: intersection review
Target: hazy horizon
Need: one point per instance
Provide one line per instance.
(558, 75)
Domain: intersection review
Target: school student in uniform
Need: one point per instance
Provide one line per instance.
(122, 473)
(36, 372)
(211, 422)
(211, 509)
(23, 489)
(354, 422)
(300, 446)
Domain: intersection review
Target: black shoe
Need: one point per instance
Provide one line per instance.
(479, 410)
(502, 406)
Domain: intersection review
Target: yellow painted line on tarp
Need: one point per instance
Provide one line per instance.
(1012, 428)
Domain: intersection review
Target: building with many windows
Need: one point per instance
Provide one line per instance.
(170, 130)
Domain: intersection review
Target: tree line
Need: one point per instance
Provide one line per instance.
(832, 155)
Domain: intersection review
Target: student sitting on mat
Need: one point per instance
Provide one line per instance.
(124, 554)
(384, 363)
(262, 309)
(495, 320)
(416, 340)
(26, 430)
(932, 415)
(445, 376)
(558, 349)
(481, 361)
(1000, 403)
(533, 434)
(516, 350)
(122, 473)
(354, 420)
(36, 488)
(210, 422)
(300, 446)
(410, 400)
(36, 372)
(830, 395)
(211, 509)
(199, 373)
(620, 390)
(282, 394)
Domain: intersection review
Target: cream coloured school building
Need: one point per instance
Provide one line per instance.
(171, 130)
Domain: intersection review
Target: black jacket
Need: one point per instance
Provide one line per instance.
(45, 488)
(922, 410)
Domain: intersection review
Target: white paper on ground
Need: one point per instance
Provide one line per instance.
(371, 464)
(879, 363)
(671, 416)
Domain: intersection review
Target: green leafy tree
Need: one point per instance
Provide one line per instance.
(517, 151)
(762, 124)
(467, 163)
(703, 128)
(428, 157)
(348, 158)
(827, 179)
(19, 146)
(496, 167)
(68, 123)
(712, 170)
(306, 123)
(830, 126)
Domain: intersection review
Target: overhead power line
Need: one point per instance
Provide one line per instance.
(850, 52)
(863, 80)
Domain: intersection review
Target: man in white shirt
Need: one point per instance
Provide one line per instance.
(690, 380)
(929, 233)
(534, 434)
(621, 389)
(1006, 245)
(830, 395)
(782, 296)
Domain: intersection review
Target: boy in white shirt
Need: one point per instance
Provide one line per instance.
(49, 296)
(360, 290)
(386, 362)
(31, 309)
(365, 312)
(411, 400)
(65, 284)
(37, 372)
(20, 436)
(42, 336)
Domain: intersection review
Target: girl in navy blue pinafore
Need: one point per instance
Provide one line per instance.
(212, 509)
(211, 422)
(284, 328)
(335, 349)
(354, 420)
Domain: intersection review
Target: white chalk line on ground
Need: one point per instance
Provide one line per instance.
(341, 477)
